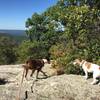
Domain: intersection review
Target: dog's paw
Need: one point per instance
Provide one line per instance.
(27, 79)
(99, 83)
(92, 83)
(85, 77)
(31, 78)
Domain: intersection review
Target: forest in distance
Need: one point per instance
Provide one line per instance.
(17, 35)
(66, 31)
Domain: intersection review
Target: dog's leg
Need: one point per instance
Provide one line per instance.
(99, 84)
(32, 72)
(43, 73)
(86, 74)
(26, 74)
(37, 74)
(99, 81)
(94, 79)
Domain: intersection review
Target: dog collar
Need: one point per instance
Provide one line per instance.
(82, 62)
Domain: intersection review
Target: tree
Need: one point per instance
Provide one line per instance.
(79, 36)
(7, 50)
(35, 50)
(36, 26)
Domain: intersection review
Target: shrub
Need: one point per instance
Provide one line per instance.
(31, 49)
(7, 50)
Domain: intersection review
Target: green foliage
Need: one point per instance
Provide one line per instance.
(7, 50)
(34, 50)
(90, 3)
(36, 25)
(79, 39)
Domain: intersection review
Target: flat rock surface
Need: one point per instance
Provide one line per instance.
(62, 87)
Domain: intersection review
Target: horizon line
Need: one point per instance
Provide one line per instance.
(11, 29)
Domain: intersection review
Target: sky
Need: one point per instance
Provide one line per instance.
(14, 13)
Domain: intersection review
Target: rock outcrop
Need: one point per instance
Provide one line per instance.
(62, 87)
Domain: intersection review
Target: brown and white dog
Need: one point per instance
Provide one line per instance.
(35, 64)
(89, 67)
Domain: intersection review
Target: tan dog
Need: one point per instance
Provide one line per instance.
(89, 67)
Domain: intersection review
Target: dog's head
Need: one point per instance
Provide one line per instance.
(46, 61)
(77, 62)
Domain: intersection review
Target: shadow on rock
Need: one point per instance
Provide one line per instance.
(3, 81)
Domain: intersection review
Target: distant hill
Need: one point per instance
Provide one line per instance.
(13, 32)
(18, 35)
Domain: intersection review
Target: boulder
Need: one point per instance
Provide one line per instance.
(62, 87)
